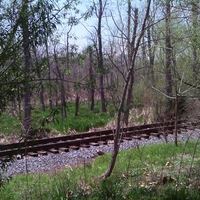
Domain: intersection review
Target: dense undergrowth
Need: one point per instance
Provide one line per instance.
(160, 171)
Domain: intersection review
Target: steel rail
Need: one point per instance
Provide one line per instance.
(87, 138)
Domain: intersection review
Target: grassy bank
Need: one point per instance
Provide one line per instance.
(51, 121)
(160, 171)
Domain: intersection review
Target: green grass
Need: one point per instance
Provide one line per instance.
(9, 125)
(159, 171)
(85, 120)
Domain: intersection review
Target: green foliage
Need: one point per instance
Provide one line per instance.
(43, 22)
(9, 125)
(85, 120)
(112, 188)
(50, 120)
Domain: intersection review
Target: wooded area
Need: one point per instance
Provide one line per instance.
(141, 54)
(158, 48)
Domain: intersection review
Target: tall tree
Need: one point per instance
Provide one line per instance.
(99, 9)
(168, 54)
(27, 65)
(62, 87)
(195, 40)
(91, 77)
(131, 40)
(123, 97)
(38, 63)
(151, 49)
(10, 64)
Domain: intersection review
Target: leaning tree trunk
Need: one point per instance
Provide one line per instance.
(120, 109)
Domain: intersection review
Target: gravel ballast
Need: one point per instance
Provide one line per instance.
(55, 162)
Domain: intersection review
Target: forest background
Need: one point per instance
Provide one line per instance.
(140, 55)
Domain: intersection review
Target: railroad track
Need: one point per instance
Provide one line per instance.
(55, 145)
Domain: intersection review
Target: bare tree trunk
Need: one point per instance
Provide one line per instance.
(195, 39)
(176, 119)
(123, 97)
(92, 80)
(151, 51)
(150, 63)
(100, 58)
(49, 75)
(19, 103)
(41, 87)
(63, 99)
(42, 96)
(168, 52)
(62, 89)
(131, 52)
(144, 58)
(129, 99)
(77, 104)
(27, 66)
